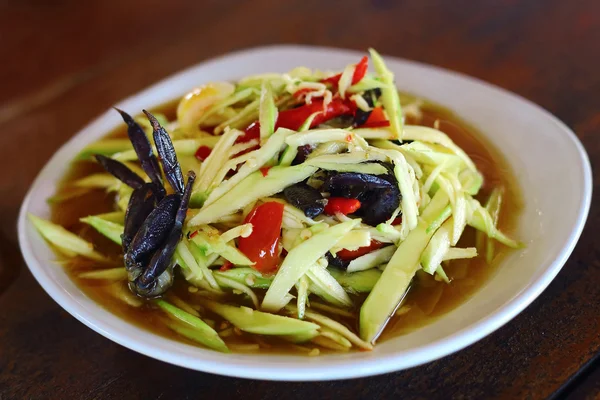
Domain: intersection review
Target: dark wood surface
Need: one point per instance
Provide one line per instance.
(64, 62)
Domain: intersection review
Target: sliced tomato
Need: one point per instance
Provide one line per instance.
(348, 255)
(262, 246)
(341, 205)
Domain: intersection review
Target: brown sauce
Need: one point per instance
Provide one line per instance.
(427, 300)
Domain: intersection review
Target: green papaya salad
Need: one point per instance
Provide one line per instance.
(297, 207)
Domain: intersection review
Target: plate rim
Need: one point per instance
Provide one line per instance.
(311, 370)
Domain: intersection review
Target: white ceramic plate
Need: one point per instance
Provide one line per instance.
(550, 163)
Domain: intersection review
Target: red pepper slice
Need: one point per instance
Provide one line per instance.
(251, 132)
(226, 266)
(295, 117)
(397, 221)
(341, 205)
(377, 115)
(376, 119)
(360, 70)
(262, 246)
(299, 93)
(265, 171)
(348, 255)
(202, 153)
(333, 80)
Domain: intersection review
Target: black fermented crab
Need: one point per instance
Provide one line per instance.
(378, 194)
(306, 198)
(153, 220)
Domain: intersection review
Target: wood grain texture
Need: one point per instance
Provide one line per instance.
(64, 62)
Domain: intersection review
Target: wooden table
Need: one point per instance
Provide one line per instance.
(64, 62)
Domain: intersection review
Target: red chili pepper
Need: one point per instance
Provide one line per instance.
(348, 255)
(334, 80)
(251, 132)
(262, 246)
(397, 221)
(360, 70)
(265, 171)
(341, 205)
(377, 115)
(376, 119)
(295, 117)
(193, 234)
(202, 153)
(299, 93)
(226, 266)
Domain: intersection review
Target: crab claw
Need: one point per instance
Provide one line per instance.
(185, 200)
(166, 154)
(157, 277)
(120, 171)
(140, 206)
(143, 149)
(151, 235)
